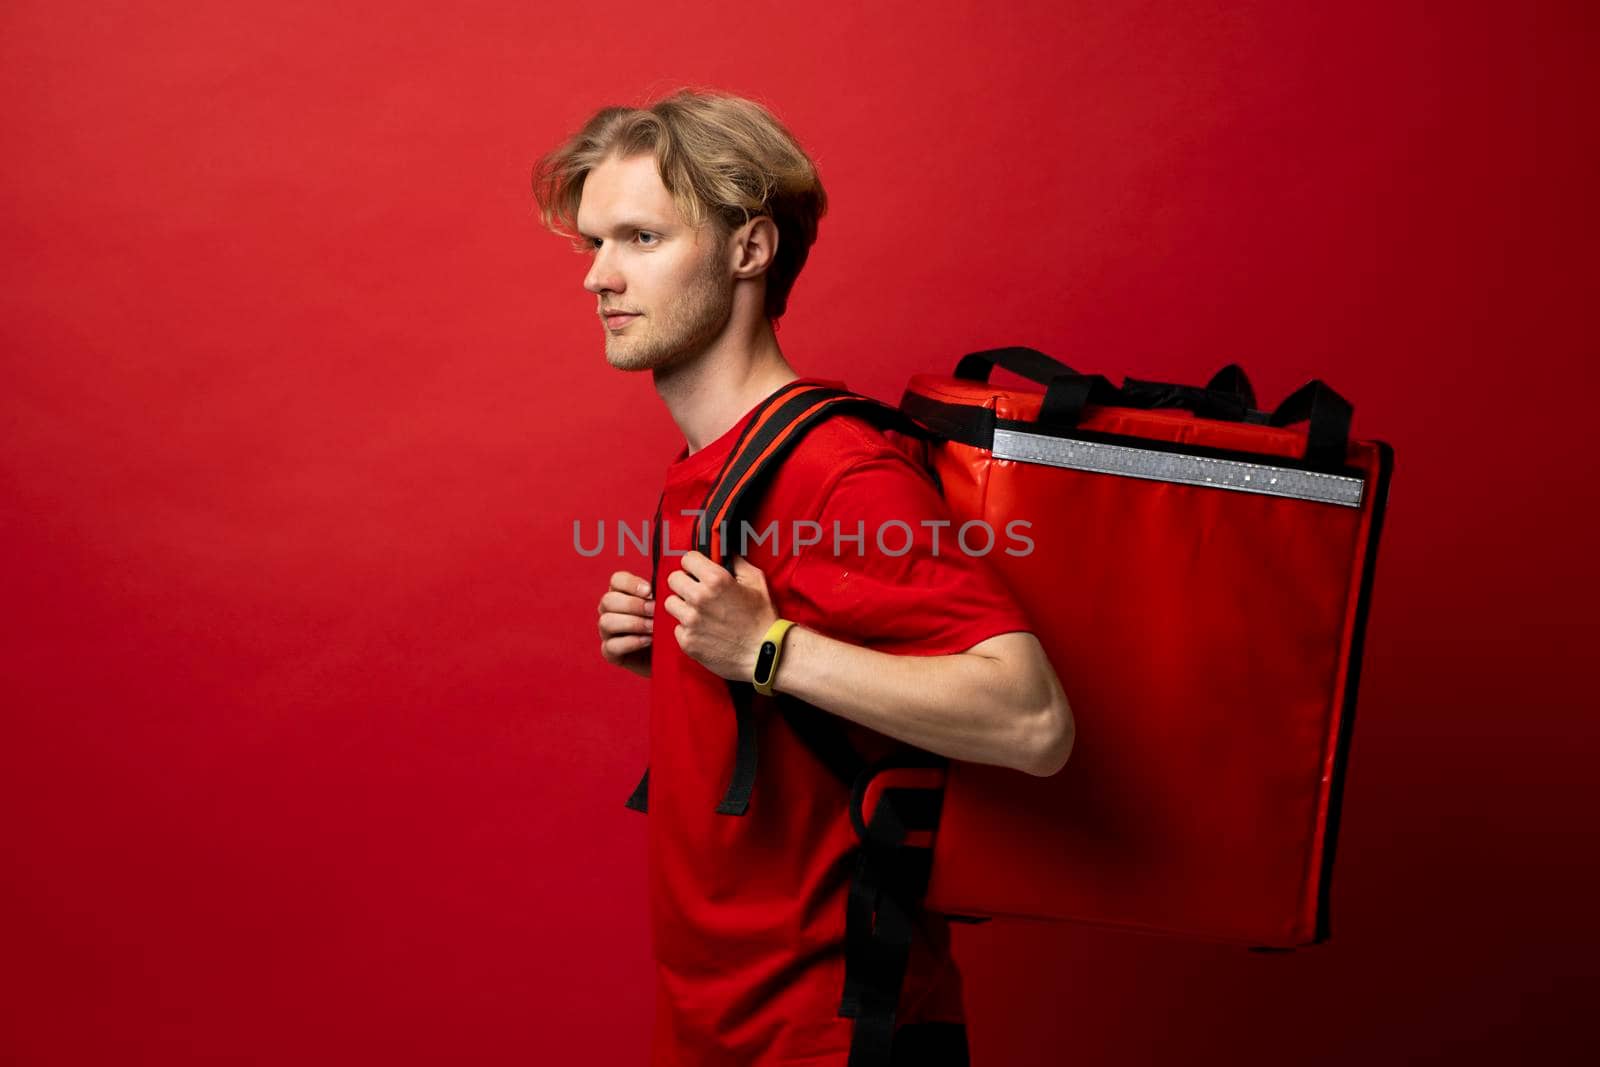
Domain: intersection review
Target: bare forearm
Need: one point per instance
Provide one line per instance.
(963, 706)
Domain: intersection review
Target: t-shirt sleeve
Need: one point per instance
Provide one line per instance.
(907, 586)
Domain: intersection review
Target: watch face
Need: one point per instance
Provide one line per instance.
(764, 658)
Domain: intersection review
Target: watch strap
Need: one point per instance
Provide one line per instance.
(768, 655)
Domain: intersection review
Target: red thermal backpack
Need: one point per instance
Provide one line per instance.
(1200, 580)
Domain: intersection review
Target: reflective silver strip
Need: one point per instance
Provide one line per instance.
(1159, 466)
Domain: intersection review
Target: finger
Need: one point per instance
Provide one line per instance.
(685, 586)
(699, 566)
(745, 570)
(613, 624)
(678, 608)
(626, 604)
(628, 582)
(615, 648)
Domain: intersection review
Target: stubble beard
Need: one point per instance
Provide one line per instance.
(680, 331)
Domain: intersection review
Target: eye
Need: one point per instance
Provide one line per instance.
(652, 238)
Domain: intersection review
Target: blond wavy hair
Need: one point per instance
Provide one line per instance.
(722, 157)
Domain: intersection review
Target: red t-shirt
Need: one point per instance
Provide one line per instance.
(748, 912)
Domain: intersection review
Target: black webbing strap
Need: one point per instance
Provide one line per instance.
(759, 453)
(738, 795)
(1068, 394)
(752, 452)
(1029, 363)
(778, 423)
(1227, 396)
(891, 876)
(778, 426)
(736, 801)
(738, 452)
(886, 894)
(1233, 380)
(1328, 435)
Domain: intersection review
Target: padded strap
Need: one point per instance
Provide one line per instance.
(779, 423)
(769, 407)
(776, 426)
(768, 438)
(772, 435)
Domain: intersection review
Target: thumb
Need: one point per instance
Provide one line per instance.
(744, 569)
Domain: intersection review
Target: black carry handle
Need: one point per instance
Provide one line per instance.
(1029, 363)
(1328, 437)
(1066, 391)
(1066, 395)
(1233, 380)
(1228, 395)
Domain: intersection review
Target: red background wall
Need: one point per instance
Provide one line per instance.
(308, 753)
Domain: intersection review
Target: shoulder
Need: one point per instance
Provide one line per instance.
(848, 451)
(845, 438)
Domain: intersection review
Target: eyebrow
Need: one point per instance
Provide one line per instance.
(629, 225)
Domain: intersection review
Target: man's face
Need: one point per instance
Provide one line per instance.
(670, 278)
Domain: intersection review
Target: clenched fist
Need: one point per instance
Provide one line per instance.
(627, 613)
(722, 617)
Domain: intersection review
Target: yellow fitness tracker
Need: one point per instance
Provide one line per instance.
(767, 658)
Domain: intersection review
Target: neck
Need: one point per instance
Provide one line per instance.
(710, 393)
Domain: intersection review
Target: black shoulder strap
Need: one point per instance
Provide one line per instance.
(778, 424)
(891, 873)
(769, 437)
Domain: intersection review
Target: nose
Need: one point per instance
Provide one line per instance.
(603, 276)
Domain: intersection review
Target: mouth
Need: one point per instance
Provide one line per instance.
(617, 321)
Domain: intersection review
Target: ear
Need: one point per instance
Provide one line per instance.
(754, 246)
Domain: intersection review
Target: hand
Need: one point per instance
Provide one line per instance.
(722, 617)
(627, 617)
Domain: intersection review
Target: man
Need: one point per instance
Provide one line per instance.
(699, 213)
